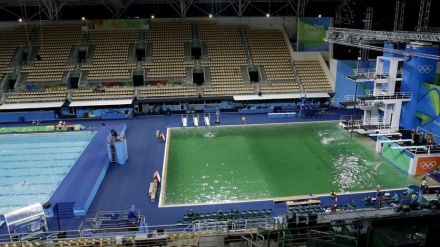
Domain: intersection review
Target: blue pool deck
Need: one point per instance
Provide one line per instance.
(128, 184)
(78, 189)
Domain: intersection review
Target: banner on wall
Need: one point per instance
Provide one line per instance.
(114, 24)
(427, 164)
(428, 108)
(311, 33)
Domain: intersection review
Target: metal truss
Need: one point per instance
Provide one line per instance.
(382, 49)
(398, 15)
(360, 35)
(361, 39)
(117, 7)
(422, 21)
(367, 27)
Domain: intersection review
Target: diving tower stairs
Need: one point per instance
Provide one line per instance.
(381, 105)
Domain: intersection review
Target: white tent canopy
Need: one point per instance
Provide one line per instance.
(34, 105)
(101, 102)
(280, 96)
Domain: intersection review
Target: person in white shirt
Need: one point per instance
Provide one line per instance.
(119, 239)
(423, 185)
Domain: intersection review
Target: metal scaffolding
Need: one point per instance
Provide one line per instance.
(368, 21)
(399, 13)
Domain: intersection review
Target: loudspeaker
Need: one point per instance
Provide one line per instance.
(46, 205)
(38, 57)
(259, 93)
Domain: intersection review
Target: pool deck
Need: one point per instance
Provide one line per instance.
(128, 184)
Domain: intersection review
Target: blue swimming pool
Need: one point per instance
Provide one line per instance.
(32, 165)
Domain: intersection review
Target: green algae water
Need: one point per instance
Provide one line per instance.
(221, 164)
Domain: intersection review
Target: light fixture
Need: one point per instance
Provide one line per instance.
(152, 16)
(83, 18)
(319, 15)
(20, 20)
(267, 15)
(210, 15)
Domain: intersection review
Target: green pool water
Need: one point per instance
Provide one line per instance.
(265, 161)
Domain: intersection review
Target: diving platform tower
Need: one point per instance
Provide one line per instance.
(382, 105)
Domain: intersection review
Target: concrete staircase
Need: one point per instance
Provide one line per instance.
(246, 46)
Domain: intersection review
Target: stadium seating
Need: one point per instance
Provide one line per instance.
(227, 56)
(168, 40)
(269, 49)
(111, 52)
(312, 76)
(10, 40)
(37, 96)
(55, 42)
(108, 93)
(167, 91)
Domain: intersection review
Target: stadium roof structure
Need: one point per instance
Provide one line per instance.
(50, 8)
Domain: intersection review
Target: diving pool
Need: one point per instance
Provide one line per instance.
(252, 162)
(33, 165)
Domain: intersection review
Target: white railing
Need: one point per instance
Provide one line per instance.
(384, 95)
(364, 103)
(368, 72)
(349, 98)
(351, 117)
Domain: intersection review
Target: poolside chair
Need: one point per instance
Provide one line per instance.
(256, 213)
(268, 211)
(201, 216)
(243, 214)
(196, 216)
(225, 215)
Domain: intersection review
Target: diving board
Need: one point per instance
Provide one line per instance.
(399, 140)
(387, 134)
(410, 147)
